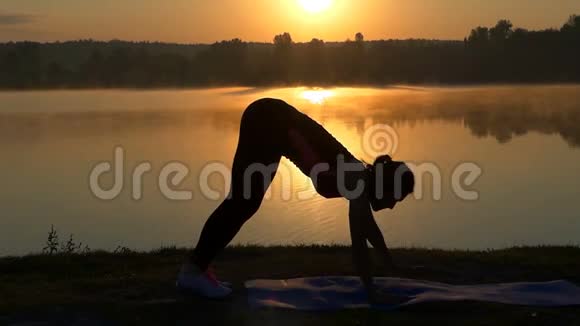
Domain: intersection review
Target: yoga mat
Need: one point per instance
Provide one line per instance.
(345, 292)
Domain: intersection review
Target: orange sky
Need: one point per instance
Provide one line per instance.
(206, 21)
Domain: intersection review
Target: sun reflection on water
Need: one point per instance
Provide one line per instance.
(316, 95)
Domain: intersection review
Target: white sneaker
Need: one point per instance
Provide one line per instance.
(204, 284)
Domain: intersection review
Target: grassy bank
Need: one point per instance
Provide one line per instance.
(138, 288)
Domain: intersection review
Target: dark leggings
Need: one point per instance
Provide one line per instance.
(260, 147)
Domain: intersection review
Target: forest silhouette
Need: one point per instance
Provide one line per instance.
(498, 54)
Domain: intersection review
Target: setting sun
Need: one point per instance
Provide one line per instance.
(315, 6)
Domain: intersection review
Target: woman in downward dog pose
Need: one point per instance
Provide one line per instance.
(271, 129)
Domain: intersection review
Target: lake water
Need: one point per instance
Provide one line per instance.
(525, 139)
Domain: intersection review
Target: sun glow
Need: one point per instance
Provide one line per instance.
(315, 6)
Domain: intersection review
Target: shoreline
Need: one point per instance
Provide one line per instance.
(242, 248)
(126, 285)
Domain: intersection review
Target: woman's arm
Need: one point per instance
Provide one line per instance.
(375, 237)
(360, 253)
(363, 227)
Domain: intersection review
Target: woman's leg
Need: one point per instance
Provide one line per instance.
(255, 164)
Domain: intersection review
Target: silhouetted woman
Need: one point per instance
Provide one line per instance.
(271, 129)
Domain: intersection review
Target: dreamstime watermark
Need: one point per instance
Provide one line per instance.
(380, 139)
(377, 140)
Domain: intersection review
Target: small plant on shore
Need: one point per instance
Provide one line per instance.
(71, 247)
(52, 243)
(122, 250)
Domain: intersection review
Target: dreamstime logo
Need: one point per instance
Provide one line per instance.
(377, 140)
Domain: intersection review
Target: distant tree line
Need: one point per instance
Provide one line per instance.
(501, 53)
